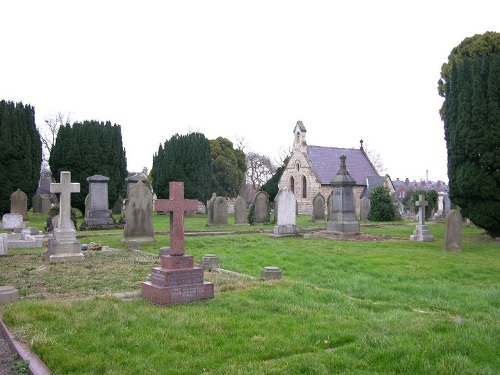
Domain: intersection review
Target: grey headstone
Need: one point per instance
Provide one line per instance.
(19, 204)
(453, 231)
(261, 206)
(3, 243)
(220, 212)
(12, 221)
(132, 181)
(46, 204)
(364, 208)
(36, 203)
(99, 213)
(210, 262)
(285, 208)
(271, 273)
(210, 209)
(139, 225)
(240, 211)
(318, 209)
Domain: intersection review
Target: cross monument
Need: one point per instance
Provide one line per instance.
(178, 280)
(65, 188)
(421, 232)
(421, 203)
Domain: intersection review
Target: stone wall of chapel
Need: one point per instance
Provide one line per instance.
(326, 190)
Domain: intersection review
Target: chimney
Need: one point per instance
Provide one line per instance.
(407, 182)
(426, 176)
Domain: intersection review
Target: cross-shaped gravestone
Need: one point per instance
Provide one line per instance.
(65, 188)
(176, 205)
(421, 203)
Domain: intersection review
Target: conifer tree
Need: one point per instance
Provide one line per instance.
(20, 152)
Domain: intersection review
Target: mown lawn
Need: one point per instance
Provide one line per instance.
(380, 307)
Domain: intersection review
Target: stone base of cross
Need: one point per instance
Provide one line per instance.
(177, 280)
(421, 232)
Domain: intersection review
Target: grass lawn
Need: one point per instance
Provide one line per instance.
(390, 306)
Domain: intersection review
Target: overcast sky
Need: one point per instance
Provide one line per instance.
(248, 70)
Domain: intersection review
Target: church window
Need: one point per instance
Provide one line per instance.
(298, 166)
(292, 184)
(304, 187)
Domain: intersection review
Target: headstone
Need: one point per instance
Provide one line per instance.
(240, 211)
(3, 243)
(286, 214)
(8, 294)
(210, 209)
(99, 214)
(421, 232)
(19, 204)
(132, 181)
(36, 203)
(220, 212)
(64, 246)
(343, 211)
(177, 280)
(329, 202)
(453, 231)
(46, 204)
(318, 209)
(261, 207)
(364, 208)
(139, 224)
(12, 221)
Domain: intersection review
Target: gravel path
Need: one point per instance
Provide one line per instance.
(7, 356)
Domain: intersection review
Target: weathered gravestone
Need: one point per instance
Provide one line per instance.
(220, 212)
(99, 214)
(64, 246)
(19, 204)
(329, 202)
(240, 211)
(343, 216)
(318, 209)
(139, 224)
(36, 203)
(210, 209)
(177, 280)
(261, 207)
(132, 181)
(421, 232)
(285, 209)
(3, 243)
(453, 231)
(364, 208)
(12, 221)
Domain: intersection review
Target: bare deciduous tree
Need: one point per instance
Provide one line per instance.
(260, 168)
(48, 133)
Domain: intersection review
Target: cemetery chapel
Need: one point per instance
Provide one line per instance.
(311, 169)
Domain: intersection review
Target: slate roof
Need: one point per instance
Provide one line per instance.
(326, 163)
(373, 181)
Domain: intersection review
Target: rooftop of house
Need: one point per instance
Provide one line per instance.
(423, 184)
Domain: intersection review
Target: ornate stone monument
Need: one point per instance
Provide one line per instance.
(177, 280)
(342, 218)
(64, 246)
(99, 214)
(421, 232)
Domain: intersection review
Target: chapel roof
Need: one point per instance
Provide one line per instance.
(326, 163)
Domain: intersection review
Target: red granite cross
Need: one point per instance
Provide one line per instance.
(176, 205)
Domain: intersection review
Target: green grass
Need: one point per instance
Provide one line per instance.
(379, 307)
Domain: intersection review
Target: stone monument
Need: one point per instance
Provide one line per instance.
(98, 214)
(12, 221)
(342, 218)
(318, 209)
(177, 280)
(64, 246)
(240, 211)
(3, 243)
(210, 210)
(220, 212)
(19, 204)
(261, 207)
(364, 208)
(421, 232)
(139, 227)
(285, 208)
(453, 231)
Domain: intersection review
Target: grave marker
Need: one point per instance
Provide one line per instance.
(177, 280)
(453, 231)
(19, 204)
(421, 232)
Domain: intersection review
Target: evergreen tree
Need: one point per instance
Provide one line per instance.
(184, 158)
(87, 149)
(381, 205)
(470, 84)
(229, 167)
(430, 196)
(20, 152)
(271, 186)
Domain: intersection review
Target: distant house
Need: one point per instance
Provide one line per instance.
(311, 169)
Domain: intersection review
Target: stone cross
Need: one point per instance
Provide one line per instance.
(421, 203)
(65, 188)
(176, 205)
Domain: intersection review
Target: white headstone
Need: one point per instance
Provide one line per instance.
(12, 221)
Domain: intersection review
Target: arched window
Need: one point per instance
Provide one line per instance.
(304, 187)
(292, 184)
(298, 166)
